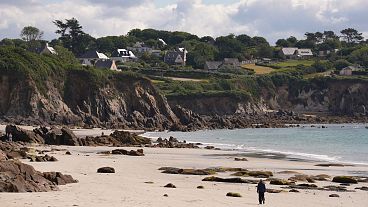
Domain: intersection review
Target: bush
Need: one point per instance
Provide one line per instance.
(322, 66)
(342, 63)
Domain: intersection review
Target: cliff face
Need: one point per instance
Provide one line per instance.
(124, 101)
(330, 96)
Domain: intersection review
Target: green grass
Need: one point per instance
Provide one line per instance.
(294, 63)
(259, 70)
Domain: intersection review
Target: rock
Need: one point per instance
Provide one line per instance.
(106, 170)
(209, 147)
(170, 185)
(276, 181)
(119, 152)
(139, 152)
(331, 165)
(130, 139)
(59, 178)
(364, 188)
(260, 174)
(229, 180)
(16, 154)
(135, 153)
(104, 153)
(334, 196)
(274, 190)
(288, 172)
(56, 136)
(3, 156)
(344, 179)
(321, 177)
(149, 182)
(335, 188)
(68, 153)
(165, 195)
(200, 187)
(45, 158)
(173, 170)
(293, 191)
(231, 194)
(18, 177)
(240, 159)
(23, 135)
(172, 139)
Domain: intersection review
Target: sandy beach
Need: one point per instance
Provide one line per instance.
(129, 187)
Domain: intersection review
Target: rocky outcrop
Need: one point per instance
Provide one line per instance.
(116, 139)
(18, 177)
(56, 136)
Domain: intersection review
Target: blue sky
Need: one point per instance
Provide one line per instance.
(272, 19)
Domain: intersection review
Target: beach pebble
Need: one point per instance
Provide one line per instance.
(200, 187)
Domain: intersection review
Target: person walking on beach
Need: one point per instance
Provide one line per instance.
(261, 189)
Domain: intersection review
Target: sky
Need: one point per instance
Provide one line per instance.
(272, 19)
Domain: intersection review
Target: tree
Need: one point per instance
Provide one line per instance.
(73, 37)
(264, 51)
(282, 43)
(30, 33)
(351, 35)
(201, 53)
(360, 56)
(340, 64)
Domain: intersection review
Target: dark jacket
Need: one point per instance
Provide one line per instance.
(261, 188)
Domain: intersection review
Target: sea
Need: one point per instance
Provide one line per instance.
(337, 143)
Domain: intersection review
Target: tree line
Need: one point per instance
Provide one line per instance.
(72, 37)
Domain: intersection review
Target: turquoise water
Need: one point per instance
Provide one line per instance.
(336, 143)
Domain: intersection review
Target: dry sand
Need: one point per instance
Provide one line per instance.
(127, 186)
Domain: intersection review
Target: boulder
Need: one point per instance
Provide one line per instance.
(45, 158)
(293, 191)
(334, 196)
(229, 180)
(274, 190)
(170, 185)
(240, 159)
(18, 177)
(173, 170)
(23, 135)
(58, 178)
(344, 179)
(56, 136)
(231, 194)
(260, 174)
(276, 181)
(106, 170)
(200, 187)
(130, 139)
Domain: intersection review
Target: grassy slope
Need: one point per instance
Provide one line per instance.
(259, 70)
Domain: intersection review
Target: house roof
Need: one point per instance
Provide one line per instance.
(172, 57)
(213, 65)
(104, 63)
(93, 54)
(305, 52)
(350, 68)
(289, 50)
(123, 53)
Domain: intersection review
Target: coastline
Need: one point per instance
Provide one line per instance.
(127, 186)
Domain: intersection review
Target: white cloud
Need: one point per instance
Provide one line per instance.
(270, 18)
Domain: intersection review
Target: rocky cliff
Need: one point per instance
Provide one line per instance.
(330, 96)
(122, 101)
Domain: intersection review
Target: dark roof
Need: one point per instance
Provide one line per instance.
(212, 65)
(104, 64)
(170, 57)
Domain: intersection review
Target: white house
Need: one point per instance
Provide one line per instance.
(295, 53)
(123, 55)
(347, 71)
(91, 57)
(48, 50)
